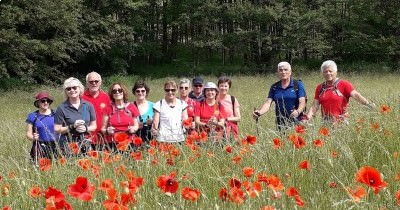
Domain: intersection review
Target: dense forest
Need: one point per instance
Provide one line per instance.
(42, 40)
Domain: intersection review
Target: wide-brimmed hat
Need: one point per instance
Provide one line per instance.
(210, 85)
(42, 95)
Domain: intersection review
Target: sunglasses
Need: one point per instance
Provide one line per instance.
(199, 85)
(184, 88)
(69, 88)
(115, 91)
(94, 82)
(140, 91)
(170, 90)
(45, 101)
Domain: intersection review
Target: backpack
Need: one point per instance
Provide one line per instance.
(296, 89)
(126, 110)
(335, 89)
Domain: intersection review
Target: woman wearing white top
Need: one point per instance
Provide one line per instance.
(168, 116)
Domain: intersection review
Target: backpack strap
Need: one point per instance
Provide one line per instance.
(335, 88)
(233, 99)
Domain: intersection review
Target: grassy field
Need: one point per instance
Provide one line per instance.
(371, 139)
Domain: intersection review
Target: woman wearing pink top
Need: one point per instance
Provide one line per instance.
(231, 106)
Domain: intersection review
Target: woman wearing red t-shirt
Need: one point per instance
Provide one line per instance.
(333, 95)
(121, 117)
(209, 114)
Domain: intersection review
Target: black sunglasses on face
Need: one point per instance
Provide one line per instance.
(198, 85)
(69, 88)
(45, 101)
(170, 90)
(93, 82)
(140, 91)
(184, 88)
(115, 91)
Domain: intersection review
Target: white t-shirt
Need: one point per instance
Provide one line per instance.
(170, 128)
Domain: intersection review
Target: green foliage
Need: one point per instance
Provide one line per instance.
(42, 41)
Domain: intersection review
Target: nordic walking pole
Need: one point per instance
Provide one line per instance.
(258, 115)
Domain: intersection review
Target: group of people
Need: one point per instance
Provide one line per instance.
(90, 113)
(289, 96)
(97, 116)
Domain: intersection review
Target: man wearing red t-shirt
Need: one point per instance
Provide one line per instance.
(333, 95)
(99, 99)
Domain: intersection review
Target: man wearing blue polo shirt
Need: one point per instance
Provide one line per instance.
(289, 96)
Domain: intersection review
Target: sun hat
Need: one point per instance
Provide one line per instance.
(197, 80)
(42, 95)
(210, 85)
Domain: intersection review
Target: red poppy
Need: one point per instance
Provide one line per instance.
(304, 165)
(123, 145)
(298, 141)
(248, 172)
(275, 183)
(188, 122)
(318, 143)
(223, 194)
(301, 129)
(375, 126)
(137, 141)
(358, 193)
(252, 190)
(228, 149)
(249, 140)
(233, 182)
(54, 194)
(292, 191)
(85, 164)
(7, 207)
(74, 147)
(167, 183)
(5, 189)
(263, 177)
(371, 177)
(153, 143)
(332, 185)
(62, 161)
(35, 192)
(44, 164)
(81, 189)
(398, 197)
(93, 154)
(237, 195)
(385, 109)
(51, 204)
(136, 155)
(121, 137)
(106, 184)
(203, 136)
(277, 143)
(323, 131)
(334, 154)
(236, 159)
(190, 194)
(298, 200)
(112, 203)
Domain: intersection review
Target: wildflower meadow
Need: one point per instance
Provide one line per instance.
(311, 166)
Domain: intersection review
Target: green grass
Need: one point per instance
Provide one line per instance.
(211, 173)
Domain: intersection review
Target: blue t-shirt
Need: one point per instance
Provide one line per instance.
(149, 114)
(286, 100)
(43, 124)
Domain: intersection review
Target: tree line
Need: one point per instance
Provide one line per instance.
(42, 40)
